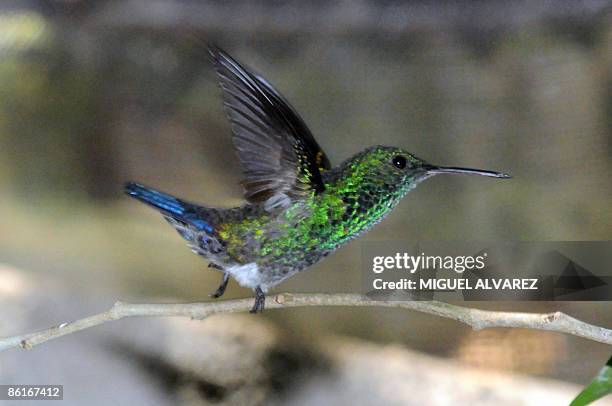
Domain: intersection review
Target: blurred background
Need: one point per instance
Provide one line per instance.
(93, 94)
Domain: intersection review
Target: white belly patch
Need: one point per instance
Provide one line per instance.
(247, 275)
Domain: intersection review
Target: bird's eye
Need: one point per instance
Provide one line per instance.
(399, 162)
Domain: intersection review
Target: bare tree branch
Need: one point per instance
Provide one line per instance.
(476, 318)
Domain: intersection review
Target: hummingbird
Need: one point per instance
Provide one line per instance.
(299, 209)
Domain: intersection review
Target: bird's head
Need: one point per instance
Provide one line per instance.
(396, 171)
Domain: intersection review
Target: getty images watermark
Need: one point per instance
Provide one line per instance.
(413, 263)
(458, 264)
(402, 270)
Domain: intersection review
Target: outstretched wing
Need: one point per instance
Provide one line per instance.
(280, 158)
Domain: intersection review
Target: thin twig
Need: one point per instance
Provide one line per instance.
(476, 318)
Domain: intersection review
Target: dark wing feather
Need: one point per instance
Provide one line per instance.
(280, 158)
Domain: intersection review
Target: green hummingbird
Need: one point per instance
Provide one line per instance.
(299, 208)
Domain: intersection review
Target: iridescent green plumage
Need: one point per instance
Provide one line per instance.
(299, 208)
(356, 196)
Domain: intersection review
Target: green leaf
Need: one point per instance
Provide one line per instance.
(599, 387)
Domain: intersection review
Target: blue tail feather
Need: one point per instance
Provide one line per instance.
(168, 204)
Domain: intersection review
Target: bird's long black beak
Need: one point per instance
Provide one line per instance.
(434, 170)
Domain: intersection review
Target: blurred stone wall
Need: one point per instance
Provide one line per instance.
(102, 92)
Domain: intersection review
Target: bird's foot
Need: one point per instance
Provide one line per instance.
(260, 301)
(221, 289)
